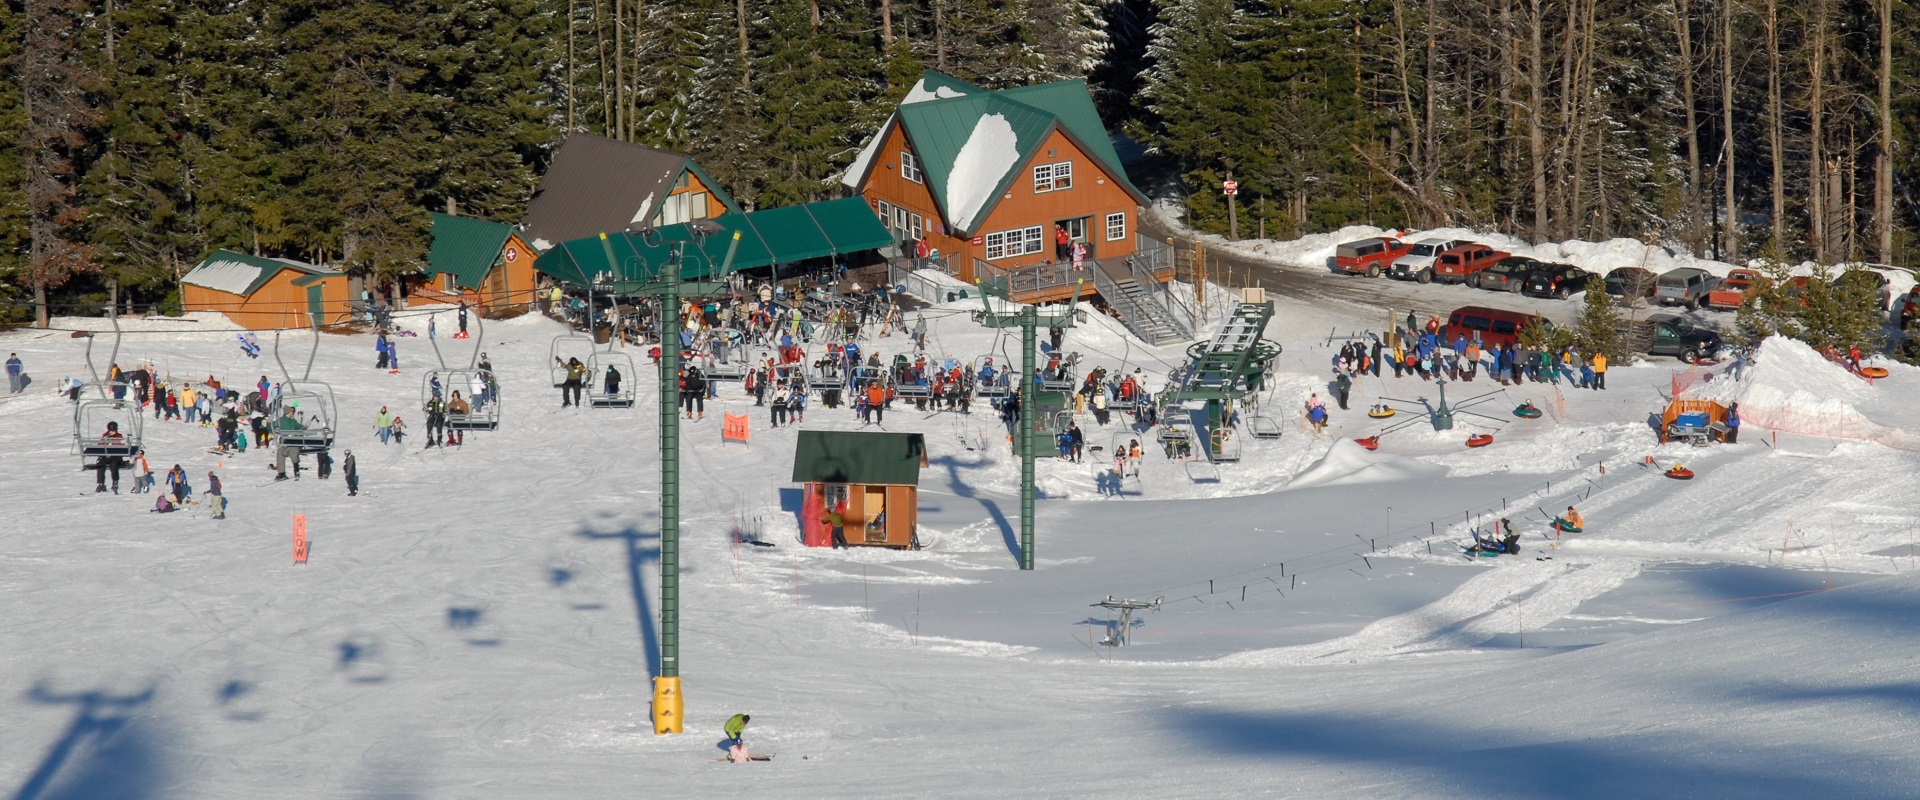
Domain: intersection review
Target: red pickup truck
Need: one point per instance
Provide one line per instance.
(1368, 256)
(1460, 263)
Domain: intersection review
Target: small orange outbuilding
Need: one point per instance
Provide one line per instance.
(260, 293)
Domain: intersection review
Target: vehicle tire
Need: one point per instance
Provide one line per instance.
(1690, 356)
(1562, 293)
(1513, 287)
(1425, 276)
(1373, 271)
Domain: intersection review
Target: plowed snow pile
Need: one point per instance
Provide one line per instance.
(1791, 387)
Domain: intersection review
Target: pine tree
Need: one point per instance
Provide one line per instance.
(55, 86)
(1207, 103)
(809, 72)
(1768, 307)
(1598, 329)
(15, 242)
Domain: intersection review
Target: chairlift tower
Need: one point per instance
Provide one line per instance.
(1028, 319)
(1230, 368)
(668, 703)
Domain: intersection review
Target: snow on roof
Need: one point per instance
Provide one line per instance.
(223, 274)
(983, 161)
(858, 168)
(646, 208)
(920, 93)
(541, 245)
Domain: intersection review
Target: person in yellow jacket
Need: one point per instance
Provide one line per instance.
(1599, 370)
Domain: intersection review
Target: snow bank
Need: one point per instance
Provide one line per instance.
(1348, 463)
(990, 151)
(1791, 387)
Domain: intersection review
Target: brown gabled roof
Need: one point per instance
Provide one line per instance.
(597, 185)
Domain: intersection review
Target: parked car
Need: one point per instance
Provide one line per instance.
(1417, 263)
(1369, 256)
(1460, 263)
(1907, 307)
(1684, 286)
(1631, 280)
(1876, 282)
(1671, 335)
(1491, 326)
(1556, 281)
(1506, 275)
(1732, 291)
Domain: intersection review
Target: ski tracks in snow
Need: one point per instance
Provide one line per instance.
(1505, 599)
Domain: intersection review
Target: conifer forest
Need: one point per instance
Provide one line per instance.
(138, 135)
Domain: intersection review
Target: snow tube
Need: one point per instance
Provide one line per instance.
(1562, 526)
(1680, 473)
(1480, 440)
(1371, 442)
(1526, 411)
(1380, 412)
(1873, 372)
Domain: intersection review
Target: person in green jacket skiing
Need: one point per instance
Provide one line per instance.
(736, 725)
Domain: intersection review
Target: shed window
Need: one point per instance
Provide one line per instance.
(1116, 226)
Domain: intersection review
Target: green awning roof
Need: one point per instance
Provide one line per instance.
(869, 457)
(773, 236)
(465, 248)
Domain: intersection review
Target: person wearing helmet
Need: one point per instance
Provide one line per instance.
(109, 464)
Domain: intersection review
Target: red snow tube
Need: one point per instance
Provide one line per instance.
(1480, 440)
(1680, 473)
(1874, 372)
(1371, 442)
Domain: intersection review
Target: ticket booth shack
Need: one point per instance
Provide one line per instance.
(866, 481)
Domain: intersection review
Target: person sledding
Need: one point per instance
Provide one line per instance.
(1570, 522)
(1495, 543)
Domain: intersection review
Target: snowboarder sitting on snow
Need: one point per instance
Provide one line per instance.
(161, 505)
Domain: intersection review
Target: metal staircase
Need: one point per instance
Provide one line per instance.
(1228, 369)
(1146, 310)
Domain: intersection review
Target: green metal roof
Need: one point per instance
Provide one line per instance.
(1070, 101)
(869, 457)
(241, 274)
(465, 248)
(778, 235)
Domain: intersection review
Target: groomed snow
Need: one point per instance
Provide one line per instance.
(990, 152)
(482, 621)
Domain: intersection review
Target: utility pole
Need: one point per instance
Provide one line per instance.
(668, 704)
(1029, 319)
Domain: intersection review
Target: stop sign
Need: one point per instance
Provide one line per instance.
(1230, 187)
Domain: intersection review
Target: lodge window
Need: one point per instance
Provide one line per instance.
(916, 227)
(1053, 177)
(910, 168)
(1017, 242)
(1116, 226)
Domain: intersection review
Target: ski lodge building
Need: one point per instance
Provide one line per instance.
(261, 293)
(487, 265)
(988, 179)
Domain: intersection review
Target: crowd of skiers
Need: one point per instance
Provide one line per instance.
(1432, 351)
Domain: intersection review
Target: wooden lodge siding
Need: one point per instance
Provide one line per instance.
(276, 304)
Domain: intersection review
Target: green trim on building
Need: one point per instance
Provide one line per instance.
(866, 457)
(465, 248)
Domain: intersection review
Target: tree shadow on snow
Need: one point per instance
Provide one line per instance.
(106, 751)
(640, 549)
(1444, 760)
(965, 491)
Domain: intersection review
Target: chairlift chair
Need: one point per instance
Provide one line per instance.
(90, 419)
(621, 362)
(312, 404)
(1064, 382)
(729, 357)
(1003, 374)
(566, 346)
(483, 401)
